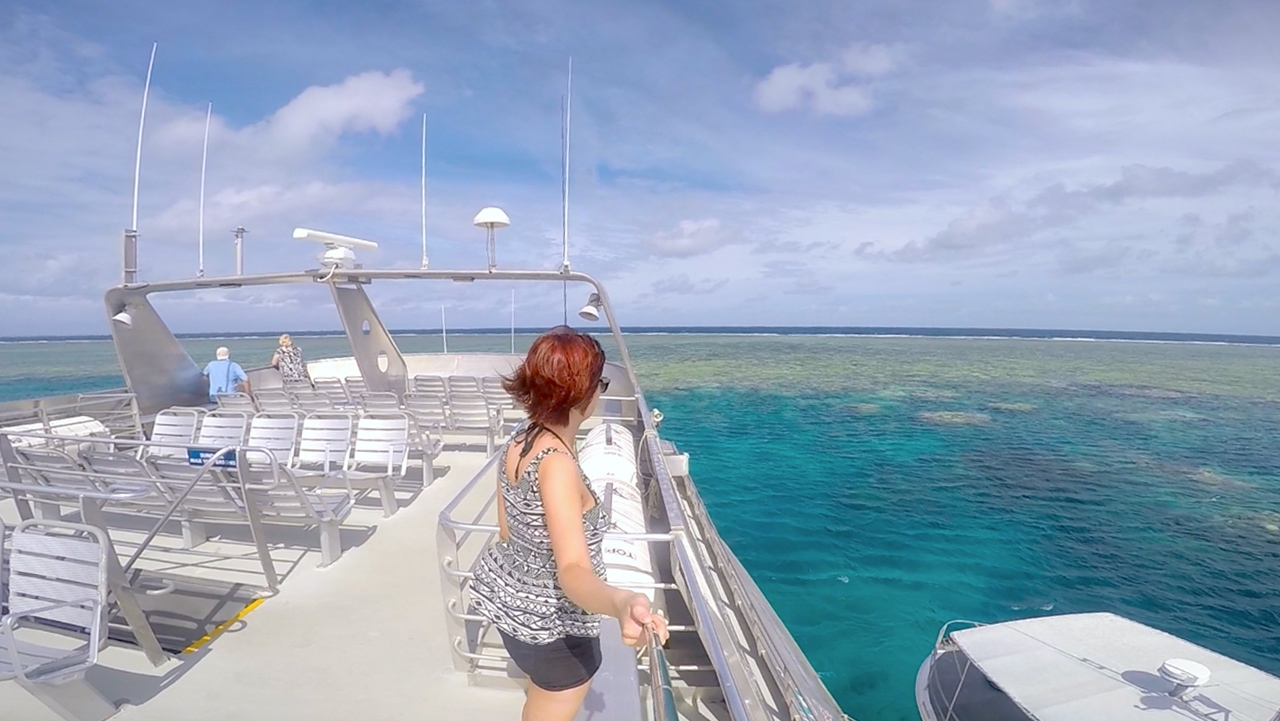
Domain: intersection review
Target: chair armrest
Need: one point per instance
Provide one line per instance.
(72, 663)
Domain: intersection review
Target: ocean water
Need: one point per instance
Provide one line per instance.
(877, 487)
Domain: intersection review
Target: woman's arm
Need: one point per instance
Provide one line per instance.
(560, 487)
(275, 360)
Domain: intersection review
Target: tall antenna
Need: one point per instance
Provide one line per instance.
(204, 161)
(444, 335)
(137, 163)
(564, 192)
(130, 269)
(424, 191)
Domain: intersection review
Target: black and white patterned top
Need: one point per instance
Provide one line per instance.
(515, 584)
(291, 367)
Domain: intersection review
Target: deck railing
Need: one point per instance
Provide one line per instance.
(697, 553)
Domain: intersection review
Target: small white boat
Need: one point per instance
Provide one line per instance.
(1082, 667)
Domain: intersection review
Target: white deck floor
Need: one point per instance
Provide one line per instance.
(362, 639)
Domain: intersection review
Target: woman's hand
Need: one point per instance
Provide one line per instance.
(634, 614)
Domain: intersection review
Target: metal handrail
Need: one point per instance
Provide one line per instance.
(807, 697)
(661, 696)
(729, 668)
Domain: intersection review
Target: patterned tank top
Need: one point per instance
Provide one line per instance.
(292, 369)
(515, 584)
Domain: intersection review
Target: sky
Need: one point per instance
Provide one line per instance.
(974, 163)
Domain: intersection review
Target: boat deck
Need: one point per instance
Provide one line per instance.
(321, 646)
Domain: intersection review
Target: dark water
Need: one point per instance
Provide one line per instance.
(878, 487)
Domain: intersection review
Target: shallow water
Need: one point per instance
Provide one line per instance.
(878, 487)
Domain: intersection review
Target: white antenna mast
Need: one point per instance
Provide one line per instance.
(131, 235)
(424, 191)
(564, 193)
(444, 335)
(204, 162)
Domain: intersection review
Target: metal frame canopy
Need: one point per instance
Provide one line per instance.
(1104, 666)
(160, 372)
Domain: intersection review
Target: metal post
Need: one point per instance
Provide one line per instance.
(130, 256)
(239, 233)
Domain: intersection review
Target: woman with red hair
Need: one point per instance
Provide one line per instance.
(541, 584)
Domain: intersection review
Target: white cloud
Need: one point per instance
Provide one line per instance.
(690, 237)
(370, 101)
(827, 88)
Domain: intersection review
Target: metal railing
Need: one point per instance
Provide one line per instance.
(662, 698)
(807, 698)
(117, 410)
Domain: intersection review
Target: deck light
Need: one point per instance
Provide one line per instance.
(123, 318)
(591, 311)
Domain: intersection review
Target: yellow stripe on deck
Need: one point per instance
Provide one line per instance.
(222, 627)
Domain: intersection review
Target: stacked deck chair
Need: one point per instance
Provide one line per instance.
(57, 580)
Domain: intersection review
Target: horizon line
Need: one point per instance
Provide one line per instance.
(996, 332)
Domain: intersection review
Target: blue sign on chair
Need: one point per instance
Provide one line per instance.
(201, 456)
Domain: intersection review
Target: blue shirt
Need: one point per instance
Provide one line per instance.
(223, 377)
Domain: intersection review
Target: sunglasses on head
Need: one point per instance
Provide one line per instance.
(604, 384)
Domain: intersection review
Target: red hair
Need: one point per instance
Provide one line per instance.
(560, 372)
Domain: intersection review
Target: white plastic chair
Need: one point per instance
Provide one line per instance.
(220, 429)
(471, 414)
(173, 425)
(380, 456)
(277, 432)
(427, 410)
(325, 442)
(334, 390)
(462, 384)
(379, 402)
(274, 401)
(237, 402)
(57, 576)
(355, 386)
(428, 385)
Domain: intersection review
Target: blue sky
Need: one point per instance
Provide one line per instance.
(997, 163)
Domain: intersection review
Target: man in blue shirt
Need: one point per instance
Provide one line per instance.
(224, 374)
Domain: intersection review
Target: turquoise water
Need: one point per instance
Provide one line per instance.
(878, 487)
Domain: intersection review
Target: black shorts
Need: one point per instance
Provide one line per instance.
(563, 664)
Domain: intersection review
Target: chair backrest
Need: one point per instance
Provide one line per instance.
(379, 402)
(382, 439)
(426, 409)
(54, 562)
(333, 389)
(277, 432)
(469, 410)
(119, 469)
(223, 428)
(44, 466)
(326, 439)
(173, 425)
(355, 386)
(274, 401)
(241, 402)
(463, 384)
(433, 385)
(492, 390)
(308, 400)
(210, 496)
